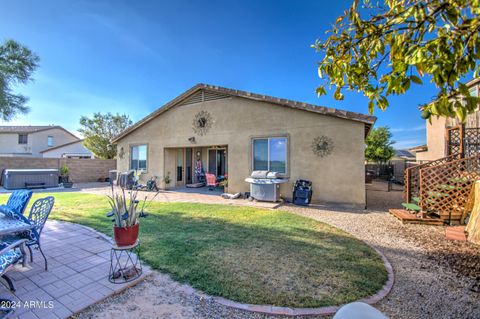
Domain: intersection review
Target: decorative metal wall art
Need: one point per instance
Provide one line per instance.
(202, 122)
(322, 146)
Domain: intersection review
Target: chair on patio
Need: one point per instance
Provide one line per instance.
(10, 254)
(17, 202)
(39, 213)
(211, 181)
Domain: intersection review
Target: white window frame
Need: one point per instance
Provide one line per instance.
(268, 138)
(142, 170)
(50, 138)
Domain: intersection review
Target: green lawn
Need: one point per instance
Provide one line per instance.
(245, 254)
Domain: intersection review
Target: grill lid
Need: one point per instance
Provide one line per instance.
(259, 174)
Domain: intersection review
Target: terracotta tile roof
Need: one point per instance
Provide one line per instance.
(368, 120)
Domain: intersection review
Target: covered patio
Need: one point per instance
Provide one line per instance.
(187, 166)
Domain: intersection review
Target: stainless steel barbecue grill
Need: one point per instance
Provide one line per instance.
(265, 185)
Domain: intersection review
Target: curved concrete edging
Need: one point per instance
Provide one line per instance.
(287, 311)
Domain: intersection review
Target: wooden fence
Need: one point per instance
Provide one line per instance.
(444, 188)
(412, 176)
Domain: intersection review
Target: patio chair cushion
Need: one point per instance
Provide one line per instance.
(9, 258)
(17, 202)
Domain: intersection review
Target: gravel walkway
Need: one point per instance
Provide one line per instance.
(434, 278)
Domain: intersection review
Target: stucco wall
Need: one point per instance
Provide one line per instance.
(337, 178)
(36, 142)
(435, 140)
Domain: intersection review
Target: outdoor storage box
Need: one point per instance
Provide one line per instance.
(30, 178)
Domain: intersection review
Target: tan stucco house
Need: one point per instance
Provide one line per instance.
(436, 130)
(31, 140)
(232, 132)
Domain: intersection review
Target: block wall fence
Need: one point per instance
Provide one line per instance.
(80, 170)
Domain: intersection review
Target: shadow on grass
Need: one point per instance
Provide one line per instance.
(245, 254)
(281, 264)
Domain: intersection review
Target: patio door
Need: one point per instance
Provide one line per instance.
(188, 166)
(179, 171)
(217, 162)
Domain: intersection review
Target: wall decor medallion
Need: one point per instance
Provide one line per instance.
(202, 122)
(121, 153)
(322, 146)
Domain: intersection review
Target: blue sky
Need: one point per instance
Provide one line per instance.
(133, 56)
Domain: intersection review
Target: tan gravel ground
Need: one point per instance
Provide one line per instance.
(434, 278)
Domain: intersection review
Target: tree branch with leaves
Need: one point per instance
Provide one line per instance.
(99, 131)
(401, 43)
(379, 145)
(17, 64)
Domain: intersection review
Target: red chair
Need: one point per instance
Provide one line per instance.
(211, 181)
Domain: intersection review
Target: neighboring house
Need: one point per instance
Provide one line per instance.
(235, 132)
(402, 160)
(73, 149)
(32, 140)
(436, 131)
(403, 155)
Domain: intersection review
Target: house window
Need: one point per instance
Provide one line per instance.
(138, 157)
(50, 141)
(22, 138)
(270, 154)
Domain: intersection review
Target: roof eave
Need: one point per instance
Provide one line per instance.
(368, 120)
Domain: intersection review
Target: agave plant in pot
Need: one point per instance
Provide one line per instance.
(125, 216)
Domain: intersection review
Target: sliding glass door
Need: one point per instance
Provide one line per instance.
(217, 162)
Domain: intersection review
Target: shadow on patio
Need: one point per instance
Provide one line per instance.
(78, 260)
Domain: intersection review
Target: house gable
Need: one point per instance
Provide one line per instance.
(203, 92)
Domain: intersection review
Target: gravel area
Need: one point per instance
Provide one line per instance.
(434, 277)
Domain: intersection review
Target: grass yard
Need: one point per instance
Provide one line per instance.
(241, 253)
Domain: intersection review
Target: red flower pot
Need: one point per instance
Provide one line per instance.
(126, 236)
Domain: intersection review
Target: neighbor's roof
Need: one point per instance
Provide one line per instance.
(60, 146)
(418, 149)
(368, 120)
(404, 153)
(28, 129)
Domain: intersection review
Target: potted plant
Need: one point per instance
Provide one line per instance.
(125, 217)
(64, 178)
(167, 180)
(126, 214)
(224, 183)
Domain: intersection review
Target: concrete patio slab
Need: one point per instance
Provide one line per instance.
(78, 265)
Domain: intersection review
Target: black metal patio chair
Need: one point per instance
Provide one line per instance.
(39, 213)
(38, 216)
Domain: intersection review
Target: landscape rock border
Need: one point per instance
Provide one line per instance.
(287, 311)
(329, 310)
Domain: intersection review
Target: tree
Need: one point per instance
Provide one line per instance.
(17, 64)
(99, 130)
(379, 145)
(400, 43)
